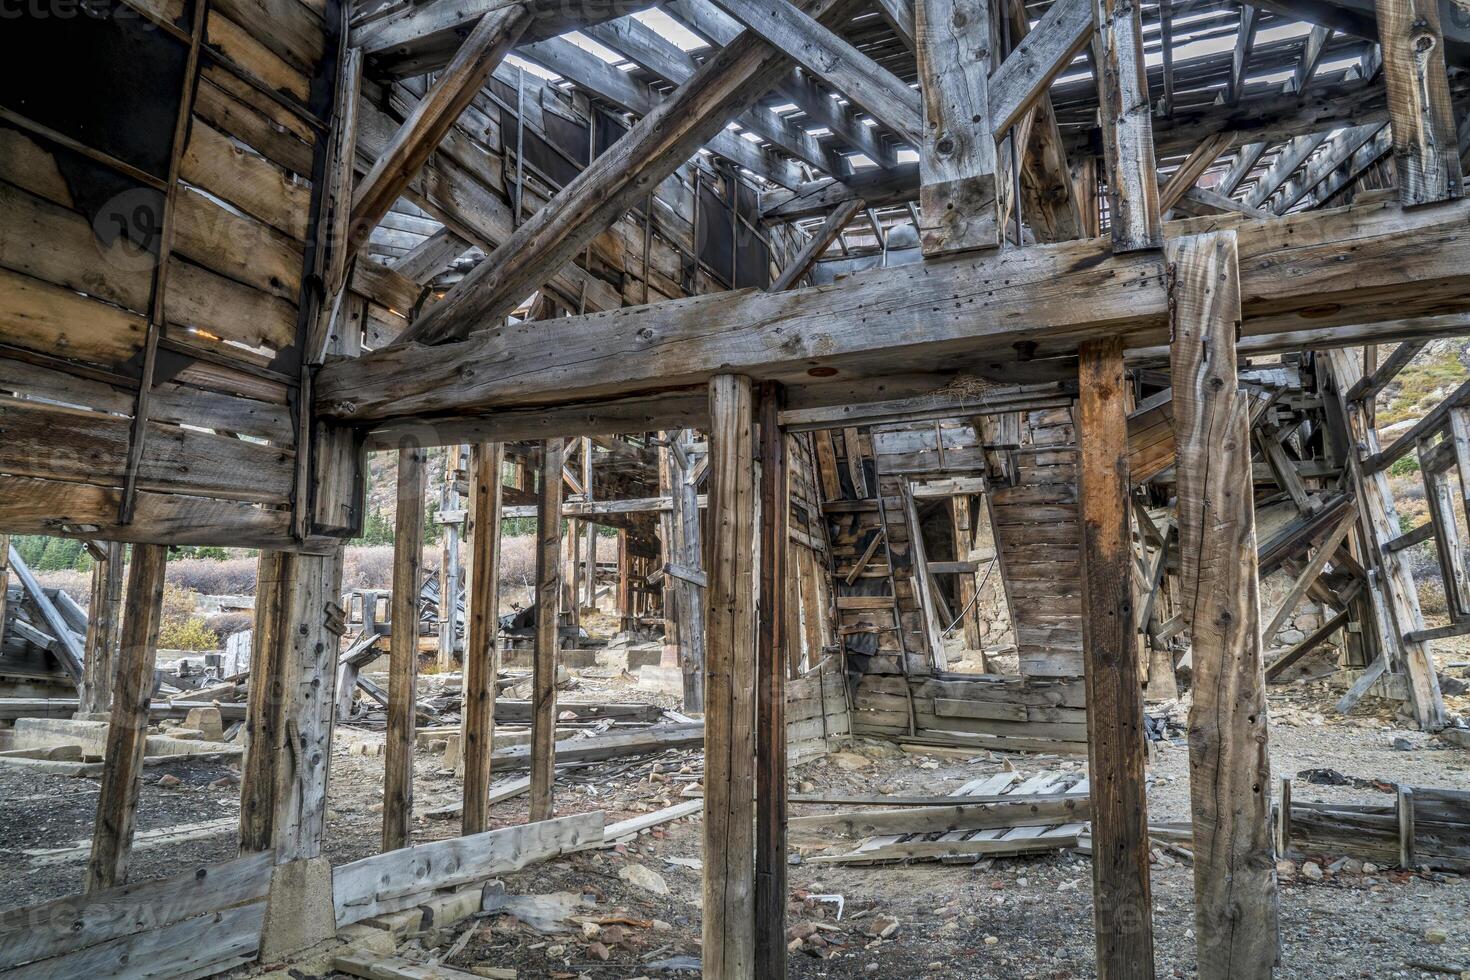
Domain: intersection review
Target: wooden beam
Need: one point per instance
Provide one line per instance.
(548, 622)
(1128, 145)
(1122, 901)
(127, 731)
(482, 653)
(1188, 173)
(770, 776)
(900, 17)
(1310, 573)
(1425, 151)
(1292, 156)
(1245, 41)
(403, 648)
(1344, 147)
(834, 61)
(409, 149)
(1404, 264)
(1230, 786)
(1370, 385)
(728, 82)
(817, 244)
(728, 949)
(958, 195)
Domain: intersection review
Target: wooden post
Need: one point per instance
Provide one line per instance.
(4, 578)
(122, 773)
(310, 643)
(1404, 807)
(962, 517)
(957, 163)
(770, 782)
(730, 655)
(403, 649)
(548, 592)
(673, 650)
(687, 551)
(1128, 143)
(1122, 903)
(589, 570)
(449, 570)
(1229, 766)
(1426, 153)
(481, 652)
(104, 619)
(259, 776)
(625, 574)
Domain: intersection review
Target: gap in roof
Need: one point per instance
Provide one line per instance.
(670, 29)
(530, 67)
(587, 44)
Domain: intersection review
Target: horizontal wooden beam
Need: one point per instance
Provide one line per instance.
(989, 314)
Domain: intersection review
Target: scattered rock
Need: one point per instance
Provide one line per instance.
(168, 780)
(1285, 867)
(1312, 871)
(849, 760)
(644, 878)
(1401, 744)
(1435, 936)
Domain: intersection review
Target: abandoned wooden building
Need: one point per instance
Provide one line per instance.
(845, 314)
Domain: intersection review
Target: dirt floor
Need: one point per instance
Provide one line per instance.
(999, 918)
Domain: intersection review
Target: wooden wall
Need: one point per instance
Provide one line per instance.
(158, 199)
(1018, 713)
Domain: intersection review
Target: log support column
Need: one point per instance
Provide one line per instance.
(1122, 904)
(1229, 767)
(481, 652)
(122, 773)
(730, 658)
(548, 593)
(770, 784)
(403, 649)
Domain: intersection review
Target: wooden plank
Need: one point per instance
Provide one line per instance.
(1370, 385)
(1005, 812)
(419, 136)
(729, 872)
(958, 194)
(771, 666)
(403, 648)
(122, 775)
(1422, 119)
(1315, 639)
(482, 653)
(400, 879)
(199, 946)
(1122, 902)
(1235, 881)
(250, 182)
(269, 636)
(80, 921)
(548, 600)
(372, 966)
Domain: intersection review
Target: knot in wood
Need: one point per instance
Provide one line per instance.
(645, 333)
(945, 145)
(1217, 383)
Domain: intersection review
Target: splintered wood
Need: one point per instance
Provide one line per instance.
(1229, 767)
(1036, 827)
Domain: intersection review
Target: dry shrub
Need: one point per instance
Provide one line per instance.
(518, 562)
(77, 585)
(181, 627)
(212, 576)
(368, 567)
(227, 624)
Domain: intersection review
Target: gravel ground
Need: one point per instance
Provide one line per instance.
(1003, 918)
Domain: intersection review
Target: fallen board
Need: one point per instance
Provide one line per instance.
(968, 846)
